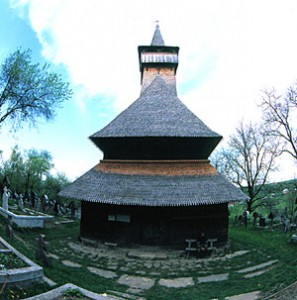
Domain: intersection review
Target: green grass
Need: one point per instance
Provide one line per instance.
(274, 244)
(263, 245)
(11, 261)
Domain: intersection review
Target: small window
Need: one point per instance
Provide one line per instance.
(119, 218)
(112, 218)
(123, 218)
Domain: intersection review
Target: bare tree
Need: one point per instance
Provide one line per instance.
(248, 160)
(280, 115)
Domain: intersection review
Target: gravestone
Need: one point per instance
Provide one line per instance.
(21, 202)
(42, 251)
(9, 230)
(5, 198)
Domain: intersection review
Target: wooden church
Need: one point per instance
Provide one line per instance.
(155, 184)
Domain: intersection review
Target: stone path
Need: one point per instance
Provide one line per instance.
(237, 253)
(164, 268)
(254, 274)
(146, 255)
(71, 264)
(50, 282)
(258, 267)
(142, 283)
(177, 282)
(102, 273)
(213, 278)
(247, 296)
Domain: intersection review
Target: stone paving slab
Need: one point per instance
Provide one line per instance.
(237, 253)
(146, 255)
(72, 264)
(177, 282)
(102, 273)
(50, 282)
(142, 283)
(54, 256)
(247, 296)
(257, 267)
(135, 292)
(213, 278)
(257, 273)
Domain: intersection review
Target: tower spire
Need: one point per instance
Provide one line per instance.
(158, 60)
(157, 39)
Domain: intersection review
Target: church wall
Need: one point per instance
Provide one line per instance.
(153, 225)
(157, 148)
(150, 73)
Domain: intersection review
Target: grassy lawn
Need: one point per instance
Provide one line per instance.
(263, 245)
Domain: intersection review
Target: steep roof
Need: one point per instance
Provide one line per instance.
(157, 39)
(152, 190)
(157, 113)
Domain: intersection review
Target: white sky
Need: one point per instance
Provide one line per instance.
(229, 52)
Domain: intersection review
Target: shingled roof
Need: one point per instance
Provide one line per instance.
(157, 113)
(157, 39)
(152, 190)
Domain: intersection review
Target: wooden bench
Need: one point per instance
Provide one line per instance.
(210, 244)
(191, 246)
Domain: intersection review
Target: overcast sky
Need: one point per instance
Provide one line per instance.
(229, 52)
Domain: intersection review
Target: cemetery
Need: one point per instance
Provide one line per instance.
(54, 261)
(253, 263)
